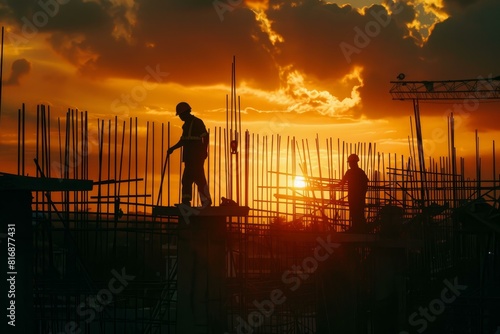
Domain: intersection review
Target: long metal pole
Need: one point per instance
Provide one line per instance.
(161, 180)
(1, 73)
(421, 157)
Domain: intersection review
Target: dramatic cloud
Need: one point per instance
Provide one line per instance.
(464, 46)
(319, 57)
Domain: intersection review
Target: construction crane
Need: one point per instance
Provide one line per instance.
(465, 90)
(480, 89)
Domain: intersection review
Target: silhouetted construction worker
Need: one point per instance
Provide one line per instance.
(194, 141)
(357, 185)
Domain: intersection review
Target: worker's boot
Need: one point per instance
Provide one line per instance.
(206, 203)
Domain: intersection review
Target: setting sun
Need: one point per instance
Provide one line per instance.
(299, 182)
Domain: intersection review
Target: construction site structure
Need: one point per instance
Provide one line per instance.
(98, 252)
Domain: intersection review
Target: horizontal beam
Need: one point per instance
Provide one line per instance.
(477, 89)
(219, 211)
(19, 182)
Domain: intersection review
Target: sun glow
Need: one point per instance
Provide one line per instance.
(299, 182)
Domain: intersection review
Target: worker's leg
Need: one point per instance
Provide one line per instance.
(201, 182)
(357, 213)
(188, 178)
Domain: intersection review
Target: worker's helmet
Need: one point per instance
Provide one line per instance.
(181, 108)
(353, 158)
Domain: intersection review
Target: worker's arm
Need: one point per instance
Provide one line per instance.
(205, 138)
(344, 178)
(180, 143)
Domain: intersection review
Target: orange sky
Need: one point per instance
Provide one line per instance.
(323, 67)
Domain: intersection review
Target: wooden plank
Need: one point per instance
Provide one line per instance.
(12, 181)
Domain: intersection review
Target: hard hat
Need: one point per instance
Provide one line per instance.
(181, 108)
(353, 158)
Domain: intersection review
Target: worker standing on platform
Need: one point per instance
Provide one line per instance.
(357, 185)
(194, 141)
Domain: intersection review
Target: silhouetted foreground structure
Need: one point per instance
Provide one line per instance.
(111, 259)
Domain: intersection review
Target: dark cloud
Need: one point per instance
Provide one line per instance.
(18, 8)
(20, 68)
(191, 40)
(194, 42)
(466, 46)
(71, 15)
(453, 7)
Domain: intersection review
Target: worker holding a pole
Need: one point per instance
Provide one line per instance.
(357, 185)
(194, 141)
